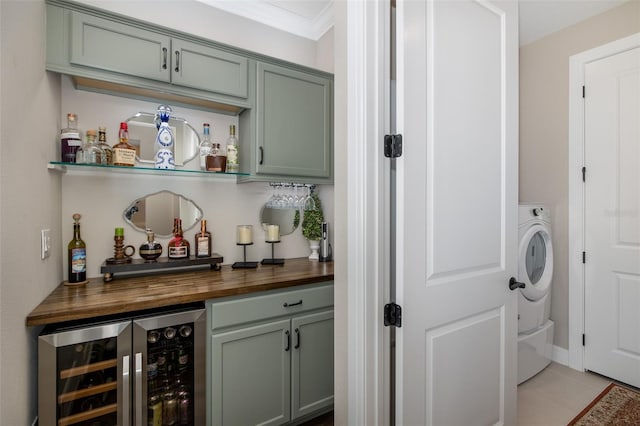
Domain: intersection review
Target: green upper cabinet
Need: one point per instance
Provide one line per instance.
(107, 52)
(294, 128)
(205, 68)
(107, 45)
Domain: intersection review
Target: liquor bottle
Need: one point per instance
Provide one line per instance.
(151, 250)
(216, 162)
(164, 140)
(70, 140)
(206, 147)
(107, 159)
(124, 154)
(90, 153)
(203, 241)
(178, 246)
(233, 164)
(77, 261)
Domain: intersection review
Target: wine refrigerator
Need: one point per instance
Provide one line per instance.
(142, 371)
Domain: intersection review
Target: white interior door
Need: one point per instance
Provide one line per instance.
(612, 216)
(457, 212)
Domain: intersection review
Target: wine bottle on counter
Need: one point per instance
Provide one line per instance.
(178, 246)
(70, 140)
(206, 146)
(233, 165)
(77, 261)
(203, 241)
(124, 154)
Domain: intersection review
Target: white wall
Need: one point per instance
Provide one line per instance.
(544, 116)
(30, 104)
(33, 105)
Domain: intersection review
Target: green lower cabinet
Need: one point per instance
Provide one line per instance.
(251, 375)
(312, 363)
(270, 357)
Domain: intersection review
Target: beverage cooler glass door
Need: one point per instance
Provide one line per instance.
(169, 369)
(84, 376)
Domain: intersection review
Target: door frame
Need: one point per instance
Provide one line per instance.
(362, 172)
(577, 312)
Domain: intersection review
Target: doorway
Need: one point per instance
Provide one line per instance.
(604, 276)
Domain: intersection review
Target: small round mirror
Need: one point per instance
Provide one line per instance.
(287, 219)
(157, 211)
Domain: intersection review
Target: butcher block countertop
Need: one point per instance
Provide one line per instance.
(124, 295)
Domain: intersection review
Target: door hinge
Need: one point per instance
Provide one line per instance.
(392, 315)
(584, 174)
(583, 340)
(392, 146)
(583, 91)
(584, 257)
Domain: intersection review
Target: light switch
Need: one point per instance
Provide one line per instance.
(45, 243)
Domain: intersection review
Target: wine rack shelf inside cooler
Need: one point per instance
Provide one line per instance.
(88, 415)
(88, 368)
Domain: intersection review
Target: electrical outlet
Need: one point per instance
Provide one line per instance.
(45, 243)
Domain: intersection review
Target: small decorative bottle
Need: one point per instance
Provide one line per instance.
(77, 249)
(90, 153)
(124, 154)
(206, 147)
(164, 140)
(151, 250)
(178, 247)
(107, 159)
(216, 162)
(70, 140)
(203, 241)
(233, 164)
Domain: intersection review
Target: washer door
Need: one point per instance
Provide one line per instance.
(536, 262)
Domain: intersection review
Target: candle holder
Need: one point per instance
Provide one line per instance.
(272, 261)
(121, 253)
(244, 264)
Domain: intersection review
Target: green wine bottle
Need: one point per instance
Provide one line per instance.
(77, 260)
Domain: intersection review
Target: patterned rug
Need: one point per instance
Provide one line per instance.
(615, 406)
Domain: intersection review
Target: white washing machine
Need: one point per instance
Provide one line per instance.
(535, 270)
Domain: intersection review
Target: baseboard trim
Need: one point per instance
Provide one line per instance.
(560, 355)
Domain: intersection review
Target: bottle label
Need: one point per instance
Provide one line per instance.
(232, 155)
(124, 156)
(178, 252)
(78, 260)
(203, 246)
(150, 250)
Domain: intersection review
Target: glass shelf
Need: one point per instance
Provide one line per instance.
(95, 168)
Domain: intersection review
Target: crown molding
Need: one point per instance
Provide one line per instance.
(277, 17)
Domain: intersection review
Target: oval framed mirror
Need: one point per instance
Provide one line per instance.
(157, 211)
(143, 132)
(287, 219)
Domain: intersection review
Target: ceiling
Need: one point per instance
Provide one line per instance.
(312, 18)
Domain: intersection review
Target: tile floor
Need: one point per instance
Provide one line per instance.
(556, 395)
(551, 398)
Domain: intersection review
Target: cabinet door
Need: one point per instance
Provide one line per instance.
(294, 123)
(205, 68)
(250, 382)
(111, 46)
(311, 363)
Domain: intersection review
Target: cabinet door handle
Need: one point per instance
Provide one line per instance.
(138, 386)
(177, 61)
(288, 305)
(261, 155)
(164, 58)
(297, 345)
(126, 365)
(286, 333)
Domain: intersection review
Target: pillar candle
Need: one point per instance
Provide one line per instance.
(273, 233)
(245, 234)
